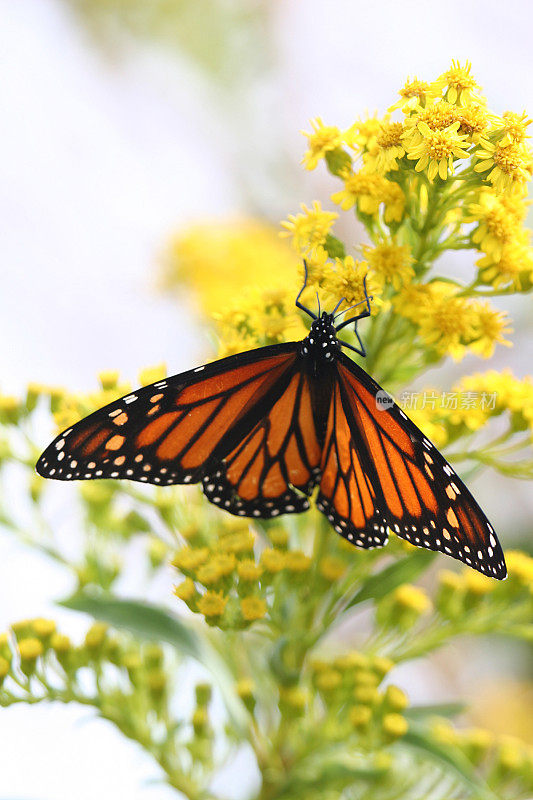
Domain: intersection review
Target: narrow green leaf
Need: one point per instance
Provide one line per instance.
(450, 759)
(403, 571)
(435, 710)
(150, 622)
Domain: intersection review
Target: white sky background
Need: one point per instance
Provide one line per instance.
(100, 159)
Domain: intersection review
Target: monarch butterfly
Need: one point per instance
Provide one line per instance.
(261, 429)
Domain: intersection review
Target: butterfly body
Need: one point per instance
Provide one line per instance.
(262, 430)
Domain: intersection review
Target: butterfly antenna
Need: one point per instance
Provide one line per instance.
(337, 306)
(297, 302)
(318, 301)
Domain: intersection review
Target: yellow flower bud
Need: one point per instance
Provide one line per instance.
(477, 743)
(360, 716)
(189, 559)
(477, 585)
(5, 649)
(366, 695)
(279, 536)
(153, 374)
(382, 665)
(29, 651)
(510, 754)
(245, 690)
(450, 594)
(332, 568)
(43, 630)
(95, 637)
(134, 666)
(294, 698)
(351, 661)
(412, 598)
(394, 726)
(157, 552)
(185, 590)
(273, 561)
(108, 378)
(200, 721)
(395, 698)
(297, 562)
(156, 682)
(328, 680)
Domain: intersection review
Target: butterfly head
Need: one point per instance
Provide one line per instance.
(321, 342)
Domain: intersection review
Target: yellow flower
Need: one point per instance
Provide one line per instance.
(346, 280)
(437, 116)
(253, 608)
(490, 327)
(360, 716)
(364, 188)
(496, 226)
(310, 229)
(514, 128)
(188, 559)
(395, 698)
(323, 139)
(218, 259)
(328, 680)
(448, 322)
(248, 570)
(459, 86)
(510, 165)
(474, 121)
(477, 584)
(513, 268)
(395, 726)
(296, 561)
(414, 93)
(519, 566)
(391, 263)
(362, 135)
(272, 560)
(413, 300)
(332, 568)
(412, 598)
(212, 604)
(208, 574)
(150, 375)
(437, 150)
(383, 157)
(242, 542)
(185, 590)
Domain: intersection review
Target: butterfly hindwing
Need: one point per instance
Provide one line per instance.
(177, 429)
(281, 453)
(424, 500)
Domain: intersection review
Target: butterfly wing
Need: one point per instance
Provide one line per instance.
(244, 426)
(419, 495)
(281, 453)
(177, 429)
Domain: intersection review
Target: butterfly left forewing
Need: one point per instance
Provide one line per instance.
(175, 430)
(426, 502)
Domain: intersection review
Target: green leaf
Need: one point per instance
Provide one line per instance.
(403, 571)
(449, 758)
(434, 710)
(150, 622)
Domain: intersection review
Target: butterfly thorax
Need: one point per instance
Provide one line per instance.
(321, 344)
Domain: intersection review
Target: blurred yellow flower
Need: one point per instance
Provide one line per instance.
(310, 229)
(390, 263)
(496, 225)
(212, 604)
(253, 608)
(321, 140)
(490, 327)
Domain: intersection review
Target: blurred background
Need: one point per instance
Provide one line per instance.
(124, 121)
